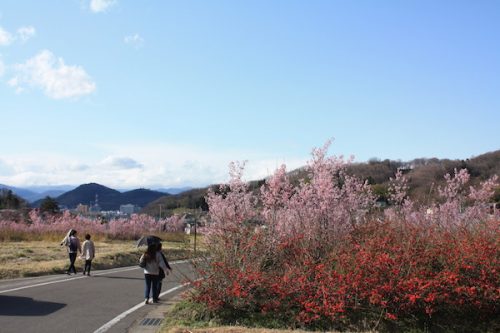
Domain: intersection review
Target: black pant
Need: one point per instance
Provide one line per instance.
(88, 263)
(151, 285)
(160, 282)
(72, 258)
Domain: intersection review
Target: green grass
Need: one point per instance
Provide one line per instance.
(188, 314)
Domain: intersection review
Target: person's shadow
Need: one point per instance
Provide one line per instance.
(25, 306)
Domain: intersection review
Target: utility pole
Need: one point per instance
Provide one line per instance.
(196, 217)
(195, 223)
(160, 211)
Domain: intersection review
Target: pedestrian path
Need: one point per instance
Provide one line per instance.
(153, 320)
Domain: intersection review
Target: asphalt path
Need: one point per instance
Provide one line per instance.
(107, 301)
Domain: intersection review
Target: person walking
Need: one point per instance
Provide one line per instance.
(88, 253)
(73, 246)
(151, 261)
(162, 273)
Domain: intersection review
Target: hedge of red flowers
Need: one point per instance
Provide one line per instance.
(335, 263)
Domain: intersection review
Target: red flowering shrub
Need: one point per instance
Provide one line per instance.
(315, 255)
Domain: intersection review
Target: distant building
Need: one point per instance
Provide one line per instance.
(129, 209)
(95, 208)
(82, 209)
(190, 222)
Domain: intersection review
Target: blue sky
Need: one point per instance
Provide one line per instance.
(158, 93)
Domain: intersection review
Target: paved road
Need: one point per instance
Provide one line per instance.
(78, 303)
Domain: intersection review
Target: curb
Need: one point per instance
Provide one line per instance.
(153, 320)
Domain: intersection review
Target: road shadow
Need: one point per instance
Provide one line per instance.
(26, 306)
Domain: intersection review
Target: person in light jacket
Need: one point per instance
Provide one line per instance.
(152, 261)
(88, 253)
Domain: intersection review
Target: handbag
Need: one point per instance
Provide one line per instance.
(142, 263)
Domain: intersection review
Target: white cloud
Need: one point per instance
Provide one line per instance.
(98, 6)
(164, 165)
(14, 83)
(121, 163)
(5, 169)
(53, 76)
(26, 33)
(135, 40)
(5, 37)
(176, 164)
(23, 34)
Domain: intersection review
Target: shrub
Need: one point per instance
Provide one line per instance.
(317, 255)
(42, 226)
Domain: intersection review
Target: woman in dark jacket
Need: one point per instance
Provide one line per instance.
(72, 243)
(163, 273)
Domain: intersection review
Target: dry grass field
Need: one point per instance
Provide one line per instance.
(35, 258)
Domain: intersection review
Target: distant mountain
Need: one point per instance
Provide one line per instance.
(107, 198)
(191, 199)
(50, 188)
(35, 193)
(51, 193)
(39, 196)
(174, 190)
(141, 197)
(425, 175)
(21, 192)
(10, 201)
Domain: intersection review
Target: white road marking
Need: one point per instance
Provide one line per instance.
(110, 271)
(122, 315)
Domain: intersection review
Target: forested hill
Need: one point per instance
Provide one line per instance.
(108, 199)
(141, 197)
(424, 174)
(192, 199)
